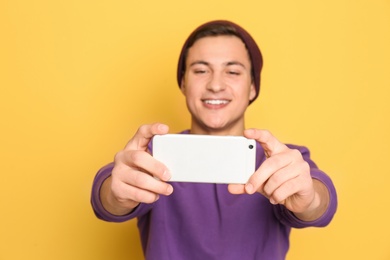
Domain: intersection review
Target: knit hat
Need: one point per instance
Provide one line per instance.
(253, 50)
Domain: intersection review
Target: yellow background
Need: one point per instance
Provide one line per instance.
(77, 78)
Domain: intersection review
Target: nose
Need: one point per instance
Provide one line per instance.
(216, 83)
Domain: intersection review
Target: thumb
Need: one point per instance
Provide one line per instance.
(144, 134)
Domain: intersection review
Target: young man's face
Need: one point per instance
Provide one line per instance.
(217, 84)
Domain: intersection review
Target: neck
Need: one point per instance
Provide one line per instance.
(204, 130)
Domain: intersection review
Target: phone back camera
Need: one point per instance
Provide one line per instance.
(250, 146)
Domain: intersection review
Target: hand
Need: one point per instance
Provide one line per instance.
(136, 177)
(284, 177)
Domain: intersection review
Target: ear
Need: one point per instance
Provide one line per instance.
(182, 86)
(252, 93)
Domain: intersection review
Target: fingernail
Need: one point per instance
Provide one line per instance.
(163, 128)
(272, 201)
(166, 175)
(169, 189)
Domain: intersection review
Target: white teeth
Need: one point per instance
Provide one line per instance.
(216, 102)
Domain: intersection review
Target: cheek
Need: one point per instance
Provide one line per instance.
(191, 89)
(190, 95)
(244, 91)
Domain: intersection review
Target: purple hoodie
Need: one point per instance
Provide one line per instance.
(205, 221)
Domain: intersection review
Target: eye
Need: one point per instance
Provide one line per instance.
(231, 72)
(199, 71)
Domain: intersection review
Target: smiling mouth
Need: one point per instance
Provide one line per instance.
(216, 101)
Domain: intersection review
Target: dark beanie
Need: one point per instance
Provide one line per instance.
(253, 50)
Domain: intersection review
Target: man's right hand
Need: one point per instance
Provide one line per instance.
(136, 177)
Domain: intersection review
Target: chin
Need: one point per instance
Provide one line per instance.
(217, 128)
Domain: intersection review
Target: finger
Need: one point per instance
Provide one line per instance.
(265, 171)
(146, 162)
(296, 168)
(146, 182)
(236, 188)
(270, 143)
(130, 193)
(285, 191)
(144, 134)
(279, 178)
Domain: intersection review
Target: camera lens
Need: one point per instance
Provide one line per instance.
(250, 146)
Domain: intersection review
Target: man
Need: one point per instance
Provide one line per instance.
(219, 75)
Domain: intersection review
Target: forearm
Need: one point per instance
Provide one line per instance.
(319, 204)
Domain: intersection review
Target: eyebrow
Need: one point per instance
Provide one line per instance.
(235, 63)
(229, 63)
(199, 62)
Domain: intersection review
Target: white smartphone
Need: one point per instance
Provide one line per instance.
(206, 158)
